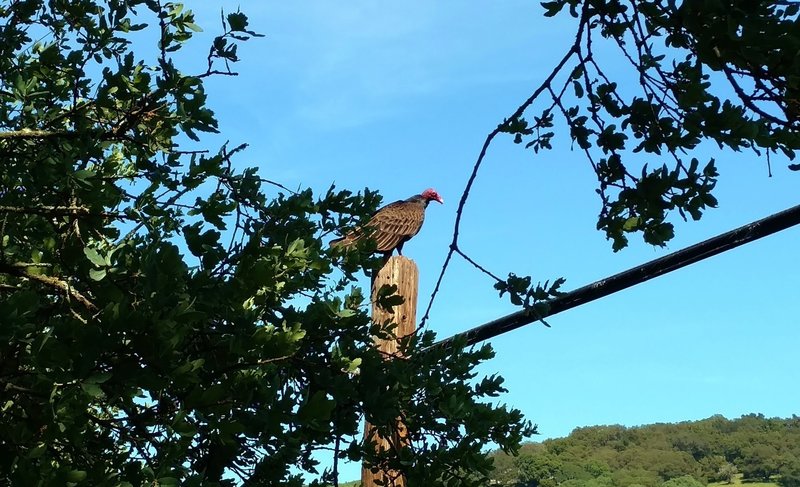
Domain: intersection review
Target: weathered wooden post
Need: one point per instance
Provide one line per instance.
(403, 273)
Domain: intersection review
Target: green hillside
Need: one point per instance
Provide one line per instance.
(753, 450)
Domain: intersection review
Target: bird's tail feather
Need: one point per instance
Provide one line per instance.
(345, 241)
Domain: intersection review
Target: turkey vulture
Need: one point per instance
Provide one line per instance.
(394, 224)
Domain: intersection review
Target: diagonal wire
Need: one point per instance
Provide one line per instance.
(631, 277)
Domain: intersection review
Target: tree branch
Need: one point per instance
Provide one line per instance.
(53, 282)
(60, 211)
(747, 101)
(35, 134)
(574, 49)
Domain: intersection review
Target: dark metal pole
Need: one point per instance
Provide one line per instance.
(631, 277)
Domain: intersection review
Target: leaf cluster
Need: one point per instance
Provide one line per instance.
(534, 298)
(647, 84)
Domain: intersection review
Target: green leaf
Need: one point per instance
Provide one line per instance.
(214, 393)
(76, 475)
(346, 313)
(92, 389)
(237, 22)
(353, 365)
(631, 223)
(37, 451)
(97, 274)
(317, 408)
(578, 89)
(83, 174)
(94, 257)
(552, 8)
(185, 429)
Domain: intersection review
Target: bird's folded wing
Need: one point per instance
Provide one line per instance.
(394, 224)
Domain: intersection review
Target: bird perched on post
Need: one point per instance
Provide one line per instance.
(393, 225)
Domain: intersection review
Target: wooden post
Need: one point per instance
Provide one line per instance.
(403, 273)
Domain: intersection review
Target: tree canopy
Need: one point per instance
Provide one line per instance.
(170, 319)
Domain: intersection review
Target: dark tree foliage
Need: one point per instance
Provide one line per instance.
(758, 461)
(660, 454)
(169, 319)
(790, 474)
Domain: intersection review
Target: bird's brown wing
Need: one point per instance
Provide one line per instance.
(389, 227)
(396, 223)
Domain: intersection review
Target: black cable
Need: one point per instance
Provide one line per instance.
(636, 275)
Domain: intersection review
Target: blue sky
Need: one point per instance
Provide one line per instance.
(400, 96)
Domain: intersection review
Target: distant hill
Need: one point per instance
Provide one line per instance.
(751, 451)
(689, 454)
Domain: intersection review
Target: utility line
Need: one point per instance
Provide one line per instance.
(631, 277)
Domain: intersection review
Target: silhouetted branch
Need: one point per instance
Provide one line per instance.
(574, 49)
(60, 211)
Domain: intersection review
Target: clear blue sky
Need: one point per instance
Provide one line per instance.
(399, 96)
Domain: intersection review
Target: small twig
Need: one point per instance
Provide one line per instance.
(245, 365)
(747, 101)
(216, 71)
(163, 40)
(477, 266)
(13, 387)
(277, 184)
(78, 317)
(589, 157)
(23, 265)
(336, 448)
(3, 238)
(769, 166)
(188, 152)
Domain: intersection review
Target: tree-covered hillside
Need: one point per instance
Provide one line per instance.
(672, 455)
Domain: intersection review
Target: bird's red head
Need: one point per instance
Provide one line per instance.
(431, 194)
